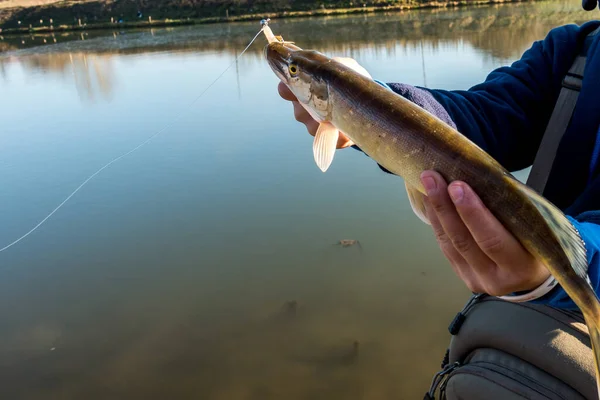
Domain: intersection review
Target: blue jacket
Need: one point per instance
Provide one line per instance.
(507, 114)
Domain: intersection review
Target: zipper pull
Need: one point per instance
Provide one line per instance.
(438, 378)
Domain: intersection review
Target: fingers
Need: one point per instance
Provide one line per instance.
(452, 224)
(495, 240)
(304, 117)
(300, 112)
(489, 234)
(344, 142)
(285, 92)
(483, 253)
(442, 238)
(458, 263)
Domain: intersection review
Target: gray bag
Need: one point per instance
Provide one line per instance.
(503, 350)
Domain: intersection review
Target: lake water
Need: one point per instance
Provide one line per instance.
(171, 274)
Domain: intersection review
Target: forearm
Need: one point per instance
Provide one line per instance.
(506, 115)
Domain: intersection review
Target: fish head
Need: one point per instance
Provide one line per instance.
(315, 80)
(303, 73)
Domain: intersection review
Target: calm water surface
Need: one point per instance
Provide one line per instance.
(168, 276)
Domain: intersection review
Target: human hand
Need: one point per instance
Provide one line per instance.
(482, 252)
(304, 117)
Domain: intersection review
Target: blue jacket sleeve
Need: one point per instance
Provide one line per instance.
(588, 226)
(507, 114)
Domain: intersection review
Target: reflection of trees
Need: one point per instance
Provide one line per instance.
(501, 32)
(86, 67)
(92, 73)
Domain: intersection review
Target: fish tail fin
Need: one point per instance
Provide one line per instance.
(592, 320)
(566, 234)
(573, 247)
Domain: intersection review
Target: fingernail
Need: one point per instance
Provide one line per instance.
(428, 182)
(456, 193)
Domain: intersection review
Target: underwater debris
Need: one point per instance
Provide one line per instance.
(290, 308)
(348, 243)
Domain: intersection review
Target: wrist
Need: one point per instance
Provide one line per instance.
(541, 290)
(542, 274)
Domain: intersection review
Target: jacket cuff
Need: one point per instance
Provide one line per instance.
(589, 230)
(423, 98)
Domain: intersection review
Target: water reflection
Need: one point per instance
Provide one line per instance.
(172, 274)
(500, 32)
(91, 73)
(87, 67)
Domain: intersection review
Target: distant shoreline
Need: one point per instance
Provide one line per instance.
(149, 23)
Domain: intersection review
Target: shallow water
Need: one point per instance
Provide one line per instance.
(169, 274)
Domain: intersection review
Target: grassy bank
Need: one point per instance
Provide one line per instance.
(43, 23)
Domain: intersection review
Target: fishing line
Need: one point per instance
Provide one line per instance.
(114, 160)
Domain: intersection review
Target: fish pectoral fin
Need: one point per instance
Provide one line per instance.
(325, 144)
(416, 199)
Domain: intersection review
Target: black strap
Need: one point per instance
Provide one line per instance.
(559, 121)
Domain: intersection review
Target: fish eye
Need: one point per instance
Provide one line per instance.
(293, 68)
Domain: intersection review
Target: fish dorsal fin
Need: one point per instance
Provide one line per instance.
(324, 145)
(416, 199)
(567, 235)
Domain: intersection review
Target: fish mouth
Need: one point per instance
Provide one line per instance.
(278, 55)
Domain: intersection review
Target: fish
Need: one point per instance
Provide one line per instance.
(406, 140)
